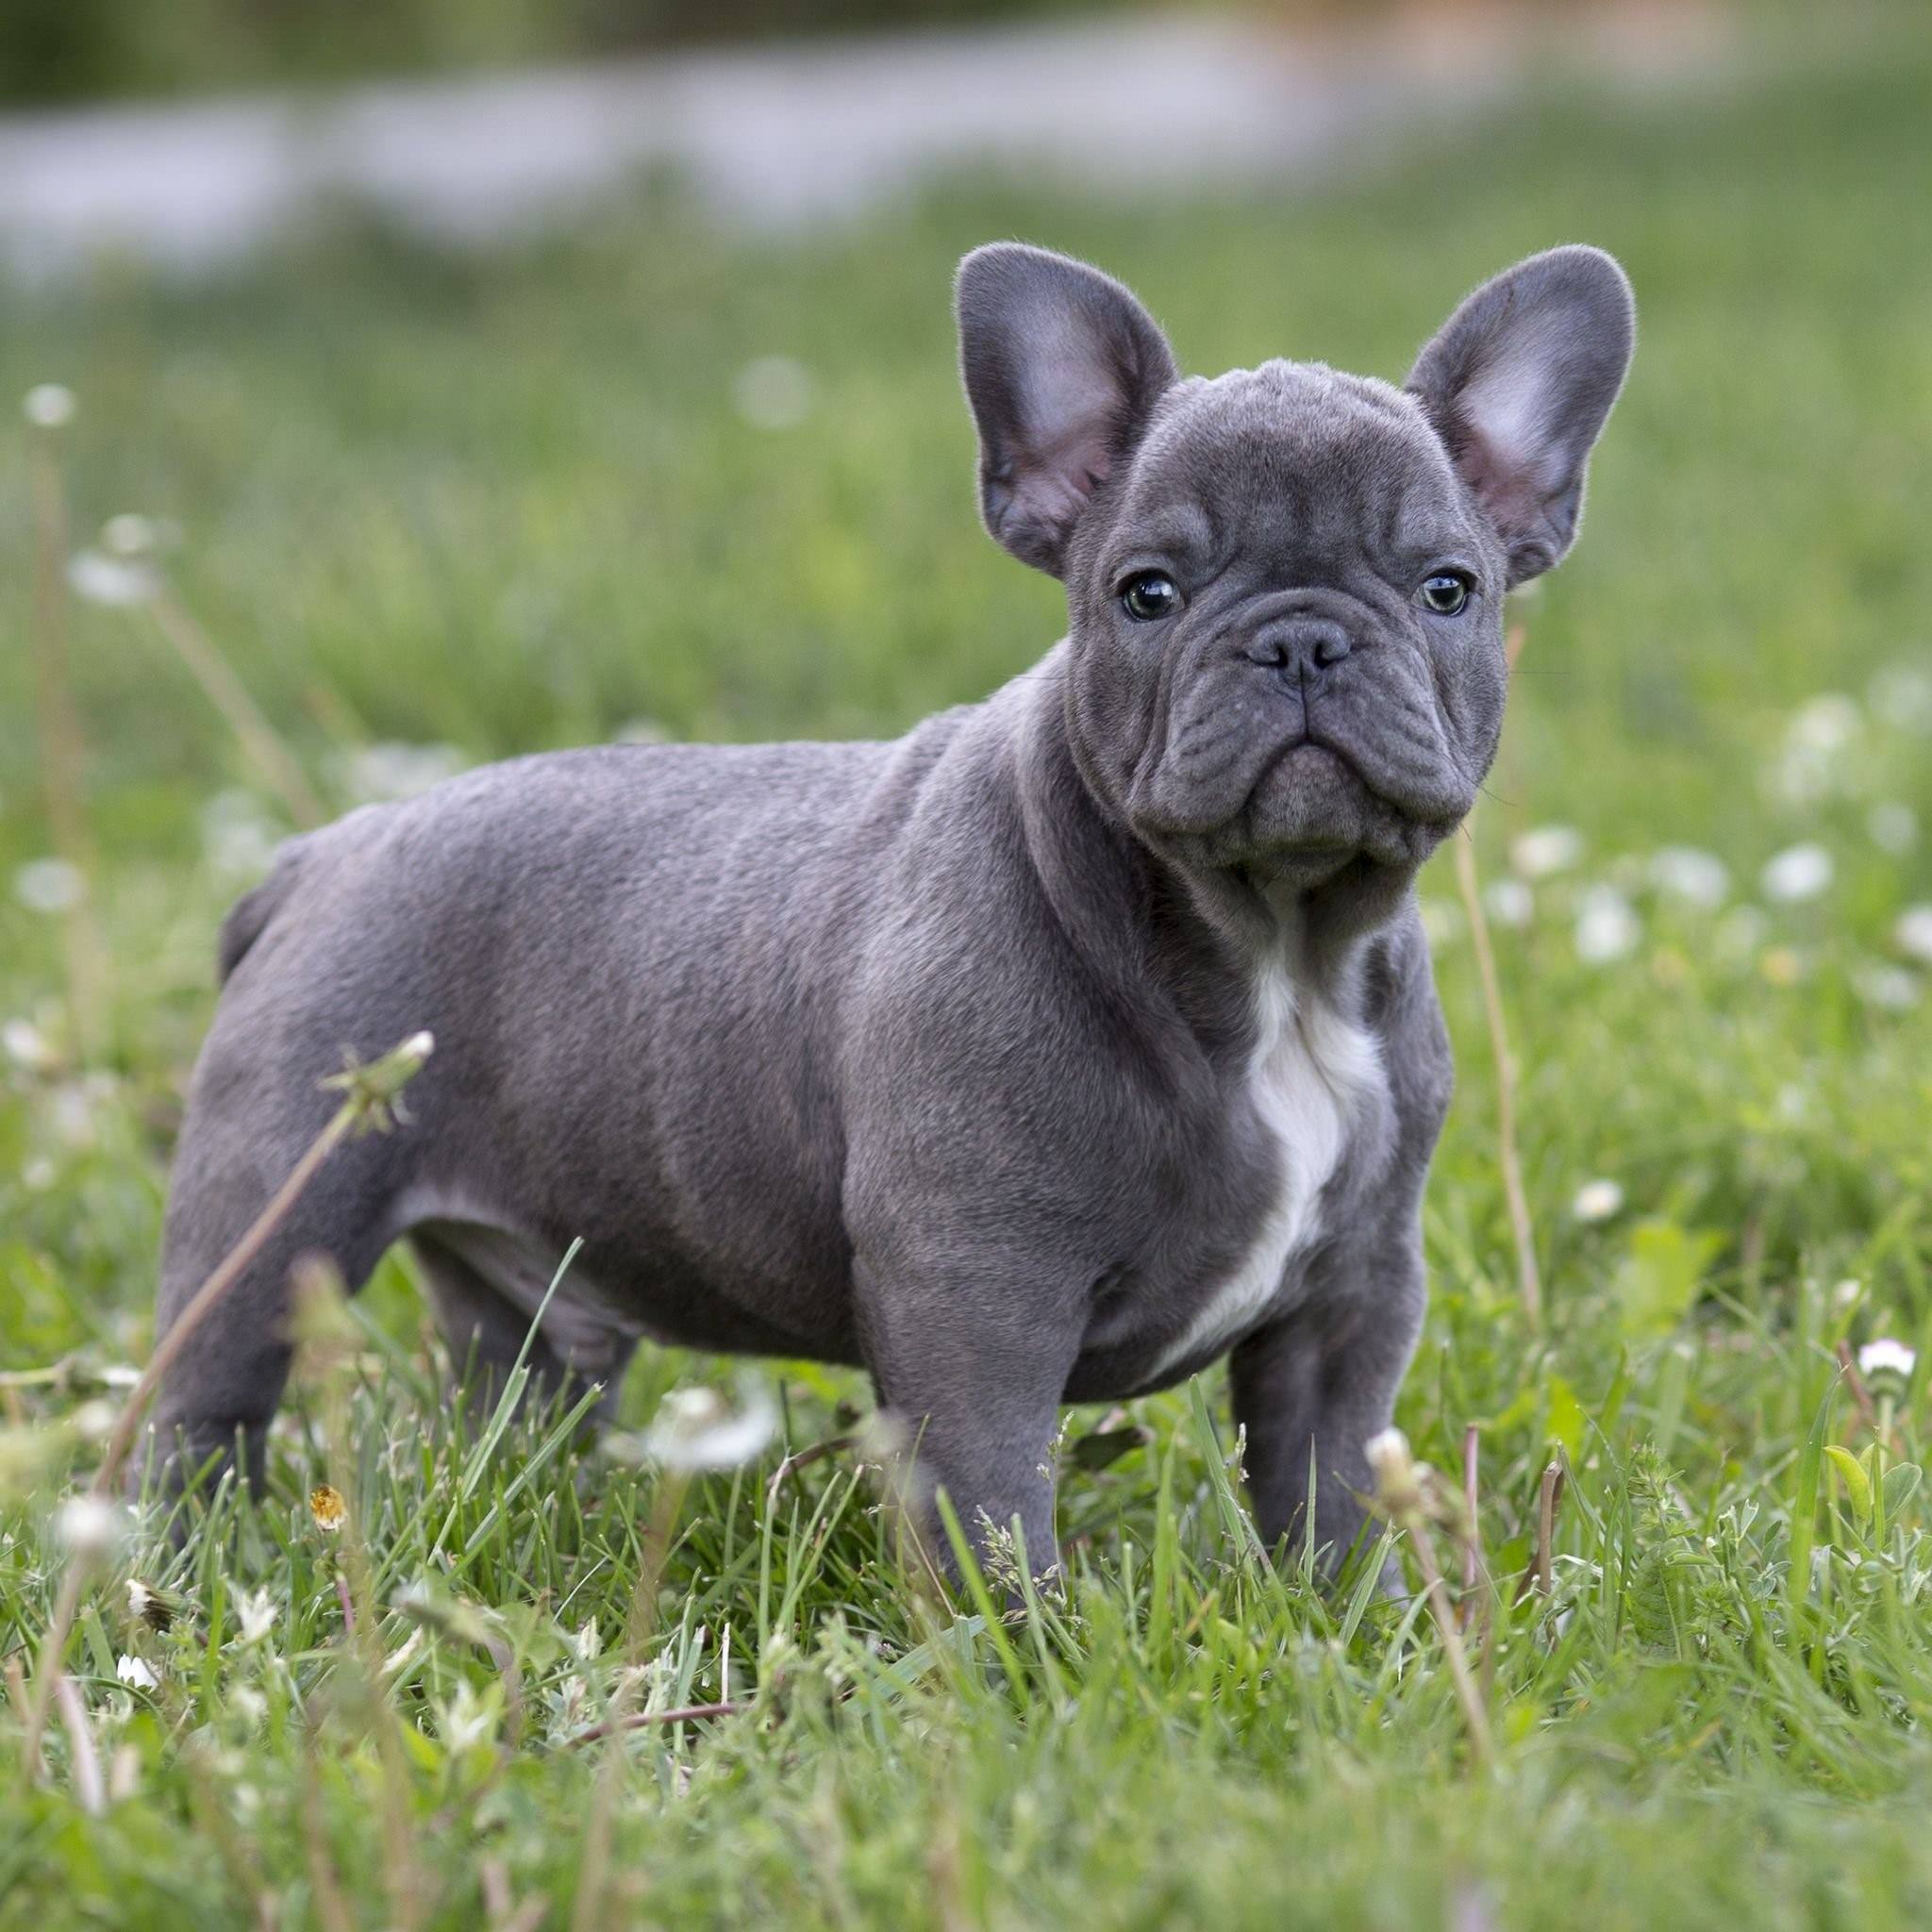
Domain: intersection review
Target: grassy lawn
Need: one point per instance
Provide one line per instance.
(496, 505)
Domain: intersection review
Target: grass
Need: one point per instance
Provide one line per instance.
(508, 504)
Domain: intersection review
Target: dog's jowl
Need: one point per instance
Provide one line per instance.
(1076, 1038)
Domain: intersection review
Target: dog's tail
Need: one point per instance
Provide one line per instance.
(249, 916)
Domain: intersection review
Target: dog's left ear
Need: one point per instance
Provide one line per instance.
(1518, 384)
(1062, 369)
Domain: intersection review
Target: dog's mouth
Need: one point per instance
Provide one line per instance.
(1314, 811)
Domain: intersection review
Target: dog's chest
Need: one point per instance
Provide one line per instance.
(1311, 1076)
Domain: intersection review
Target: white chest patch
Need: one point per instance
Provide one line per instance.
(1309, 1076)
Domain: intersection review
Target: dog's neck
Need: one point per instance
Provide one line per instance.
(1207, 936)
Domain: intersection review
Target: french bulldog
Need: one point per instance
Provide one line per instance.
(1045, 1055)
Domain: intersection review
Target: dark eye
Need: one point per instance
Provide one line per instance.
(1149, 596)
(1445, 593)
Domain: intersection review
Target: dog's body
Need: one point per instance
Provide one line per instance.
(1045, 1054)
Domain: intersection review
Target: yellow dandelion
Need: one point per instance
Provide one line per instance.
(326, 1505)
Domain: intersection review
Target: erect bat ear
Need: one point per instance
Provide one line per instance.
(1062, 369)
(1519, 384)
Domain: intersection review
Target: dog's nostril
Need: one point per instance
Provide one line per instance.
(1330, 648)
(1270, 653)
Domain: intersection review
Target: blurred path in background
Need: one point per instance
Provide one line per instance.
(786, 136)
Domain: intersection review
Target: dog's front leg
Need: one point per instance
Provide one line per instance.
(1312, 1388)
(971, 1359)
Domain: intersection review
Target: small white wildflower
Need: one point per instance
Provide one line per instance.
(1607, 927)
(1508, 902)
(1696, 877)
(133, 1671)
(1830, 722)
(25, 1045)
(697, 1429)
(1797, 874)
(466, 1720)
(1814, 758)
(641, 731)
(37, 1175)
(773, 392)
(1545, 850)
(1886, 1356)
(1597, 1200)
(119, 582)
(1912, 935)
(1846, 1293)
(48, 406)
(587, 1644)
(94, 1421)
(49, 885)
(1891, 988)
(248, 1704)
(88, 1526)
(1893, 826)
(258, 1613)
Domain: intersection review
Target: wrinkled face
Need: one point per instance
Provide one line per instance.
(1286, 627)
(1285, 585)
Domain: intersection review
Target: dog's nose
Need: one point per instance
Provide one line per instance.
(1298, 644)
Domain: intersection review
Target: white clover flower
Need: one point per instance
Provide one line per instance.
(1893, 826)
(90, 1525)
(1912, 935)
(697, 1429)
(258, 1613)
(117, 581)
(25, 1045)
(1607, 927)
(48, 406)
(1508, 902)
(49, 885)
(133, 1671)
(1597, 1200)
(1891, 988)
(1798, 873)
(1696, 877)
(1886, 1356)
(1545, 850)
(773, 392)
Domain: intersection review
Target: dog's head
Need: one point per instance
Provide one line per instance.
(1285, 585)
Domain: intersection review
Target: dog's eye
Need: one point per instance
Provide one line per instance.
(1150, 596)
(1445, 593)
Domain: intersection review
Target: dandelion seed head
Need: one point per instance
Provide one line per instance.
(118, 582)
(49, 885)
(1912, 934)
(1597, 1200)
(697, 1429)
(49, 406)
(90, 1525)
(1546, 850)
(25, 1045)
(1508, 902)
(1797, 874)
(1607, 927)
(1891, 988)
(1691, 875)
(1883, 1357)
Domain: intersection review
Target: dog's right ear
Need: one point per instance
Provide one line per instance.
(1063, 368)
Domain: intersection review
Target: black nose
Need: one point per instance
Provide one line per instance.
(1298, 644)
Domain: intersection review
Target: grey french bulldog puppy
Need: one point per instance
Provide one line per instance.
(1080, 1037)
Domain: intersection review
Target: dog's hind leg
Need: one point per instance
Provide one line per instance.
(222, 1392)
